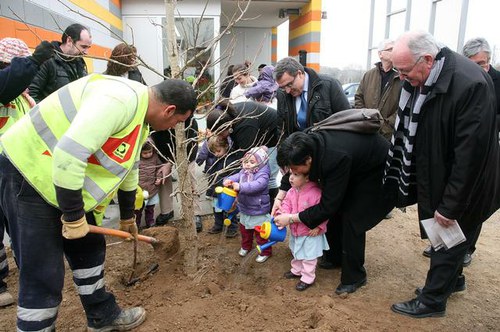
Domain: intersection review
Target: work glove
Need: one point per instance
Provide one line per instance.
(43, 52)
(129, 225)
(75, 229)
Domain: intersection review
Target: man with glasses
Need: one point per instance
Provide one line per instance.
(305, 98)
(66, 66)
(379, 88)
(444, 156)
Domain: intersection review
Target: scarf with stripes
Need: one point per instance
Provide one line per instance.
(400, 165)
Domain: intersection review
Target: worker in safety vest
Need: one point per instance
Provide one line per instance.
(61, 161)
(17, 69)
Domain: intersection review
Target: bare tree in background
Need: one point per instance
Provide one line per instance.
(191, 56)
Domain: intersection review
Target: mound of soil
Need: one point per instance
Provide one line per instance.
(237, 294)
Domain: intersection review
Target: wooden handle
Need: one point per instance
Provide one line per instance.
(122, 234)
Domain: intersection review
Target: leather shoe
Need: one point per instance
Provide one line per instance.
(162, 219)
(290, 275)
(467, 259)
(327, 265)
(416, 309)
(459, 286)
(302, 286)
(427, 251)
(341, 289)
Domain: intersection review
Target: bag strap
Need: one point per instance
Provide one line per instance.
(363, 120)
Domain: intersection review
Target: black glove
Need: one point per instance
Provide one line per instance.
(43, 52)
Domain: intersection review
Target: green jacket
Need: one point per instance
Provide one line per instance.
(369, 95)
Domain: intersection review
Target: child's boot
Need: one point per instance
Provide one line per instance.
(150, 216)
(218, 223)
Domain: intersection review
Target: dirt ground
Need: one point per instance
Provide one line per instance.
(234, 294)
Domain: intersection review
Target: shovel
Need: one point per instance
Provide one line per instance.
(125, 235)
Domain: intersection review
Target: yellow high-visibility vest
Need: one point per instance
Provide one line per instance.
(12, 112)
(30, 143)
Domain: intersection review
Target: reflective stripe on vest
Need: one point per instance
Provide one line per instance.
(43, 130)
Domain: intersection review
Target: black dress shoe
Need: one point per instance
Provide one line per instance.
(290, 275)
(467, 259)
(162, 219)
(302, 286)
(427, 251)
(416, 309)
(327, 265)
(459, 286)
(341, 289)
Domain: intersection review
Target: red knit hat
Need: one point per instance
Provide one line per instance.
(11, 48)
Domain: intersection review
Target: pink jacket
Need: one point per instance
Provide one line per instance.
(297, 201)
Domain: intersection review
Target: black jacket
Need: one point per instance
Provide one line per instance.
(456, 147)
(16, 78)
(256, 125)
(325, 97)
(349, 168)
(56, 73)
(495, 76)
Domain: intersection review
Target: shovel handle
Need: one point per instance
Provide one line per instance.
(122, 234)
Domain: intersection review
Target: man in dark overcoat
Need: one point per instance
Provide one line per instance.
(444, 156)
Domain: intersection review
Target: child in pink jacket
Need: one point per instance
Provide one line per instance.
(306, 244)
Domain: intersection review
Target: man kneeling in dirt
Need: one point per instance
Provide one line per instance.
(61, 161)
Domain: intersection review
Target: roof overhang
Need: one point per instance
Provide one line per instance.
(260, 13)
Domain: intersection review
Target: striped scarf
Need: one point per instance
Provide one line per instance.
(400, 166)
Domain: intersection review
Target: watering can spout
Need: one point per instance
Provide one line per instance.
(269, 231)
(263, 247)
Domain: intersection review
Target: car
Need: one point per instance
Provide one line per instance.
(350, 91)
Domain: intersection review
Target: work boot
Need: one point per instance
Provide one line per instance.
(126, 320)
(6, 299)
(199, 225)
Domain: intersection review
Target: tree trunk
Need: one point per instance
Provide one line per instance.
(185, 191)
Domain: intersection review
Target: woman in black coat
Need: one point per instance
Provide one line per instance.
(348, 167)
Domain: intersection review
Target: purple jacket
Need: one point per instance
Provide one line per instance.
(253, 197)
(205, 156)
(264, 89)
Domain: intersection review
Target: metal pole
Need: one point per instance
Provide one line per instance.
(463, 25)
(388, 18)
(408, 15)
(432, 19)
(370, 35)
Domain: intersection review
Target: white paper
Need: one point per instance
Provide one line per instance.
(441, 236)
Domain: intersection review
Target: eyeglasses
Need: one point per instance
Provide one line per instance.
(483, 64)
(405, 72)
(289, 85)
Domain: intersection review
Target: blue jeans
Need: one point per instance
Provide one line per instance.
(35, 230)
